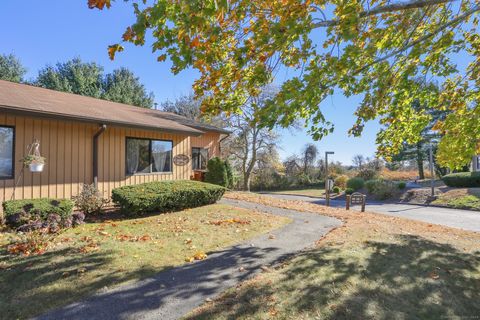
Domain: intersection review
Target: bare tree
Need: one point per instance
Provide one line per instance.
(248, 139)
(358, 161)
(185, 106)
(291, 165)
(309, 155)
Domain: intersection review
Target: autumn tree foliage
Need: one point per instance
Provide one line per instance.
(374, 49)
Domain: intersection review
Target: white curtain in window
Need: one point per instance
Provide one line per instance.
(133, 155)
(160, 152)
(203, 158)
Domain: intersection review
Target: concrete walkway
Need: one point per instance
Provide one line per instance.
(455, 218)
(173, 293)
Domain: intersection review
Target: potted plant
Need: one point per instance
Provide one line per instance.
(34, 162)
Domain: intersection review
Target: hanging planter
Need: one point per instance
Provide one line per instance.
(34, 161)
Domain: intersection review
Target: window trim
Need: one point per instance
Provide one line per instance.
(208, 156)
(13, 153)
(150, 156)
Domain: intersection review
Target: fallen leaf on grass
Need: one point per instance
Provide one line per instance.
(273, 311)
(89, 248)
(188, 241)
(200, 255)
(229, 221)
(144, 238)
(86, 239)
(123, 237)
(433, 275)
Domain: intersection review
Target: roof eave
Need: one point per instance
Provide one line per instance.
(52, 115)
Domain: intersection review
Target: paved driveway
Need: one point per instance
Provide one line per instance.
(462, 219)
(173, 293)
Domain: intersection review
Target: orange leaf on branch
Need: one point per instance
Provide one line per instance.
(113, 49)
(99, 4)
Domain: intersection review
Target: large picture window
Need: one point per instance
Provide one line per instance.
(199, 158)
(148, 156)
(7, 137)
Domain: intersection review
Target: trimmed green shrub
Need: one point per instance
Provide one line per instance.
(349, 191)
(217, 172)
(165, 196)
(39, 211)
(356, 183)
(462, 180)
(402, 185)
(336, 189)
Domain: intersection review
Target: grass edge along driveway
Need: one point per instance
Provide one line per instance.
(373, 267)
(108, 253)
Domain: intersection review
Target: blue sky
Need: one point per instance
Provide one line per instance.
(41, 33)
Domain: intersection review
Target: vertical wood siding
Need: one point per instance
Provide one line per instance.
(210, 141)
(68, 148)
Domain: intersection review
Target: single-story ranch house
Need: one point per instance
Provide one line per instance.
(88, 140)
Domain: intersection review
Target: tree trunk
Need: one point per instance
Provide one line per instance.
(246, 181)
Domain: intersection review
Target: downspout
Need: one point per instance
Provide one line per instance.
(102, 129)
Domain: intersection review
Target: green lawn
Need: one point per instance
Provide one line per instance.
(319, 193)
(407, 278)
(107, 253)
(373, 267)
(464, 198)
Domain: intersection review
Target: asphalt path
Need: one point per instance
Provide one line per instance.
(173, 293)
(455, 218)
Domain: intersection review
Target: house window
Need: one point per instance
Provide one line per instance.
(7, 138)
(148, 156)
(199, 158)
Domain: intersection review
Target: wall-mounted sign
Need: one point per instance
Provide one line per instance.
(181, 159)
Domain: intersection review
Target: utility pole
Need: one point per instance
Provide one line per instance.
(327, 187)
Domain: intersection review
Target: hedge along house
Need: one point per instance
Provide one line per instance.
(88, 140)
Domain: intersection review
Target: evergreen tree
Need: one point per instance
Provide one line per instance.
(11, 68)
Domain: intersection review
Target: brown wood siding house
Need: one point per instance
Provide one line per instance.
(135, 145)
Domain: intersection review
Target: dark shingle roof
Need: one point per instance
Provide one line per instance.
(22, 98)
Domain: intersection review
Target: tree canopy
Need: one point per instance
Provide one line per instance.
(375, 49)
(185, 106)
(73, 76)
(11, 68)
(88, 79)
(123, 86)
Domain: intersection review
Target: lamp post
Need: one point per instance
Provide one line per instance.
(327, 190)
(432, 178)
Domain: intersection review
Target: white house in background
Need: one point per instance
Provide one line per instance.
(476, 163)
